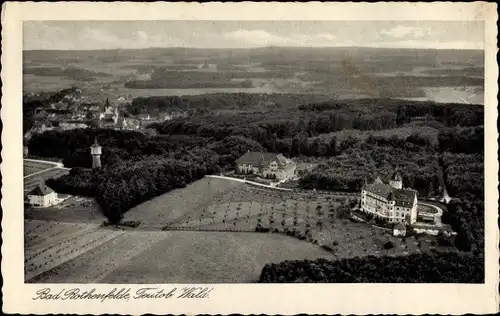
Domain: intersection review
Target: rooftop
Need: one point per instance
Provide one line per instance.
(402, 197)
(262, 158)
(400, 226)
(41, 190)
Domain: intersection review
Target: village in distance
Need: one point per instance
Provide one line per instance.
(185, 165)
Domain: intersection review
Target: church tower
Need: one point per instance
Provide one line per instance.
(396, 180)
(95, 151)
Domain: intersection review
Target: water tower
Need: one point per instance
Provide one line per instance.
(95, 151)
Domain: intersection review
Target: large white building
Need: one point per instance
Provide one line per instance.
(390, 202)
(42, 196)
(267, 165)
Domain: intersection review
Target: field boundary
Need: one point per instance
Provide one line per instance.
(249, 182)
(296, 191)
(53, 163)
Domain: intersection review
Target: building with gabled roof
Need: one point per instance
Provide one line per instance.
(267, 165)
(399, 230)
(390, 202)
(42, 196)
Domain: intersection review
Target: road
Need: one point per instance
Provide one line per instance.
(249, 182)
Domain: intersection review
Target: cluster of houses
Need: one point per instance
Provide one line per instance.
(75, 111)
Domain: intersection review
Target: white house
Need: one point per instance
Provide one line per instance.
(144, 117)
(42, 196)
(390, 201)
(399, 230)
(267, 165)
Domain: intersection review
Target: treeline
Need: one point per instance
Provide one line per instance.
(69, 72)
(416, 268)
(423, 164)
(186, 84)
(364, 162)
(73, 146)
(466, 217)
(125, 184)
(468, 140)
(217, 101)
(464, 177)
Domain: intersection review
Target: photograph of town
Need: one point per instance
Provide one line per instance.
(253, 152)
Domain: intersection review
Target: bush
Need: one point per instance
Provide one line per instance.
(388, 245)
(261, 229)
(132, 224)
(327, 248)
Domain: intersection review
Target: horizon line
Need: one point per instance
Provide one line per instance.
(250, 48)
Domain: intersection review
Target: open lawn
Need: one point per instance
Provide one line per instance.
(180, 257)
(177, 204)
(30, 166)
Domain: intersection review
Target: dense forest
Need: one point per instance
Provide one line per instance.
(69, 72)
(435, 145)
(417, 268)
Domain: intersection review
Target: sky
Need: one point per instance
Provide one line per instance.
(84, 35)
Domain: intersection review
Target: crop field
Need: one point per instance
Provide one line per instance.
(245, 207)
(49, 244)
(180, 257)
(270, 70)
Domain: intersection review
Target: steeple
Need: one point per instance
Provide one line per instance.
(396, 180)
(396, 176)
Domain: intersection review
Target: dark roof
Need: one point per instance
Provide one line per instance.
(256, 158)
(263, 158)
(380, 189)
(109, 116)
(402, 197)
(400, 226)
(41, 190)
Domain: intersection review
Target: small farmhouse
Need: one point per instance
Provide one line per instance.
(267, 165)
(144, 117)
(399, 230)
(42, 196)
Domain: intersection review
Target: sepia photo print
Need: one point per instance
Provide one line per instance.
(172, 158)
(253, 151)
